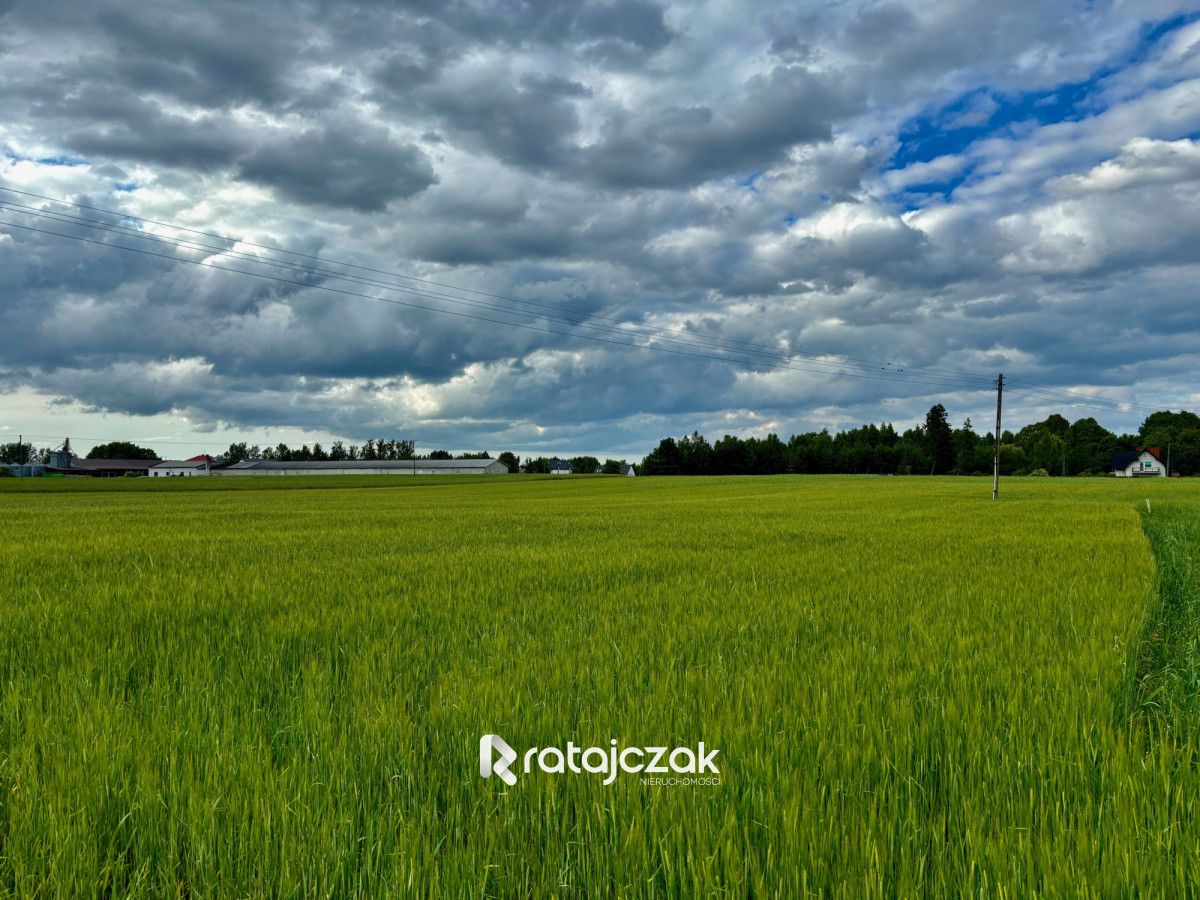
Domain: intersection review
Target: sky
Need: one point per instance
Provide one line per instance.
(715, 216)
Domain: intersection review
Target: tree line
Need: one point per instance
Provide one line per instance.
(1054, 446)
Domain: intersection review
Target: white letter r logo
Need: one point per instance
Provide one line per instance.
(506, 756)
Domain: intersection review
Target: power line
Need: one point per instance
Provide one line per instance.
(689, 341)
(941, 382)
(671, 337)
(776, 351)
(1057, 395)
(813, 363)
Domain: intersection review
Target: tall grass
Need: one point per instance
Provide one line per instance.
(253, 692)
(1167, 686)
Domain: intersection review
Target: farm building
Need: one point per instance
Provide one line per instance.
(367, 467)
(65, 462)
(103, 468)
(178, 467)
(559, 467)
(26, 470)
(1140, 463)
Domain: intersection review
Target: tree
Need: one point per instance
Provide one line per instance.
(940, 440)
(121, 450)
(1045, 444)
(440, 454)
(509, 459)
(730, 456)
(584, 465)
(664, 459)
(695, 455)
(539, 466)
(972, 454)
(17, 452)
(769, 456)
(1089, 448)
(613, 467)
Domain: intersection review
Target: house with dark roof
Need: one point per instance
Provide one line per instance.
(1144, 462)
(560, 467)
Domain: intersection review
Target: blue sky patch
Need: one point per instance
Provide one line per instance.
(61, 160)
(982, 113)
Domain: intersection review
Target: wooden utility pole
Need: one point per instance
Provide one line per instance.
(996, 460)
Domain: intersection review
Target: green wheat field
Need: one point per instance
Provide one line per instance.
(276, 688)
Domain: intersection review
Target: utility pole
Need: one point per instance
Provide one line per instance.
(996, 461)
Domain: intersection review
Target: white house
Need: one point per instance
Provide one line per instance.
(559, 467)
(1140, 463)
(176, 467)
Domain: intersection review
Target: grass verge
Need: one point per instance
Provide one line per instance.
(1165, 695)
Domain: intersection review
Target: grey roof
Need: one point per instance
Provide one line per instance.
(1122, 458)
(179, 464)
(559, 465)
(129, 464)
(366, 464)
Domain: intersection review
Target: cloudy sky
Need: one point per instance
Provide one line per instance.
(803, 214)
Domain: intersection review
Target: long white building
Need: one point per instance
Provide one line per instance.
(367, 467)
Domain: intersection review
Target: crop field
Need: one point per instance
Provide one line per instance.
(224, 687)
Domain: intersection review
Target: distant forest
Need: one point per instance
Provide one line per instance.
(1053, 447)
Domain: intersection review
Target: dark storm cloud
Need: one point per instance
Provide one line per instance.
(551, 22)
(197, 58)
(528, 121)
(359, 168)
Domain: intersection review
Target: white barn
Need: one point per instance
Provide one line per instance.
(178, 467)
(1140, 463)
